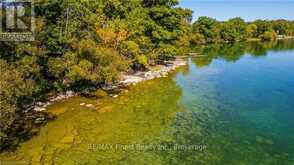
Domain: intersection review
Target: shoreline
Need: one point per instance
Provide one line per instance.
(32, 118)
(285, 37)
(125, 80)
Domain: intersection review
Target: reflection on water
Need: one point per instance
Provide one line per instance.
(252, 88)
(234, 51)
(228, 107)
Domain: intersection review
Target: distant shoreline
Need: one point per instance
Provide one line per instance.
(278, 38)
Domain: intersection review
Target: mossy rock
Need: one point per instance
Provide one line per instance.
(100, 94)
(67, 139)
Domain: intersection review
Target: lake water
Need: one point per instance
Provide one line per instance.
(232, 105)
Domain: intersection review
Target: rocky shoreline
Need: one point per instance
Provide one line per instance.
(30, 119)
(126, 80)
(149, 75)
(281, 37)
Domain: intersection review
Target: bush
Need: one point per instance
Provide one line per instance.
(268, 36)
(197, 39)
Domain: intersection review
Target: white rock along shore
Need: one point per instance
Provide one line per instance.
(126, 80)
(149, 75)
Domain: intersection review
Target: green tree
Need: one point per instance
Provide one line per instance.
(268, 36)
(233, 30)
(251, 30)
(204, 26)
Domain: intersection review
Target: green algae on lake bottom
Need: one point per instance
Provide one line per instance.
(233, 106)
(134, 117)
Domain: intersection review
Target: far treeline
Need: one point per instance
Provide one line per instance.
(209, 30)
(82, 43)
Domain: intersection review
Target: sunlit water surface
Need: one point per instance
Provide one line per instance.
(234, 105)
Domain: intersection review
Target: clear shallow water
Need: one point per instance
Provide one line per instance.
(233, 106)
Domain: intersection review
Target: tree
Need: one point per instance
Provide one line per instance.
(268, 36)
(262, 26)
(251, 30)
(197, 38)
(281, 27)
(233, 30)
(209, 30)
(204, 26)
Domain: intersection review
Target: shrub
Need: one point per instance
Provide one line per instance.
(268, 36)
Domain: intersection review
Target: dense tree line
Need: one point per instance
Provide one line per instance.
(209, 30)
(80, 43)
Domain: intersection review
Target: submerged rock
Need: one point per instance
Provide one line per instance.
(39, 120)
(108, 87)
(39, 109)
(89, 105)
(95, 94)
(23, 128)
(263, 140)
(100, 93)
(67, 139)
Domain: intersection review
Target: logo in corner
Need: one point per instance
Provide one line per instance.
(17, 20)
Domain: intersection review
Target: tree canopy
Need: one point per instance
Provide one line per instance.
(209, 30)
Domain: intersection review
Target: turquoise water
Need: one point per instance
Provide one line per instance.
(252, 96)
(234, 105)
